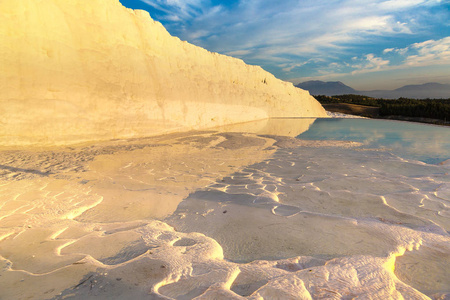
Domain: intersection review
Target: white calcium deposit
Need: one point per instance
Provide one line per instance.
(223, 215)
(80, 70)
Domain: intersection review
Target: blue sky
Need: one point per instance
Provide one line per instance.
(367, 44)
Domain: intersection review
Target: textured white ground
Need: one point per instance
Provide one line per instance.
(341, 115)
(222, 215)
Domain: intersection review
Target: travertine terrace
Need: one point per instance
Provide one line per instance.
(126, 201)
(80, 70)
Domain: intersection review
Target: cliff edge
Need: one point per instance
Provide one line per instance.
(73, 71)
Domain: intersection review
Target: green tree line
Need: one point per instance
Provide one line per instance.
(424, 108)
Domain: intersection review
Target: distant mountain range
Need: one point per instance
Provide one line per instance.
(421, 91)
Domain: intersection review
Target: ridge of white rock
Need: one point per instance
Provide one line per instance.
(73, 71)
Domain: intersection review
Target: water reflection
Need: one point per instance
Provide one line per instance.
(277, 126)
(427, 143)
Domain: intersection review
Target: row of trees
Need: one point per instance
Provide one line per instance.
(426, 108)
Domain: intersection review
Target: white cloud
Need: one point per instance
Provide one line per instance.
(294, 27)
(370, 63)
(290, 67)
(289, 34)
(375, 62)
(405, 4)
(198, 34)
(238, 53)
(399, 4)
(429, 52)
(418, 55)
(401, 51)
(425, 53)
(177, 10)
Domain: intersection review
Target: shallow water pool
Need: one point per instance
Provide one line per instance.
(423, 142)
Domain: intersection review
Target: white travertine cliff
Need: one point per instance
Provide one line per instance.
(76, 70)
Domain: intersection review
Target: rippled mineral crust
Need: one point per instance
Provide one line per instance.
(73, 71)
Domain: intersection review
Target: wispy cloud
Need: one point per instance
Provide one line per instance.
(304, 26)
(429, 52)
(405, 4)
(178, 10)
(370, 63)
(299, 38)
(417, 55)
(288, 67)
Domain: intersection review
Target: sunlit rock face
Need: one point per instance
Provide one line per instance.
(80, 70)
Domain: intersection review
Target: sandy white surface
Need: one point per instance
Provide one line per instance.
(341, 115)
(222, 215)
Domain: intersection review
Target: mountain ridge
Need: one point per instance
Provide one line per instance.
(415, 91)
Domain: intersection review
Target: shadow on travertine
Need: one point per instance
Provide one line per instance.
(20, 170)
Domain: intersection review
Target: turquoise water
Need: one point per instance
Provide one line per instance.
(423, 142)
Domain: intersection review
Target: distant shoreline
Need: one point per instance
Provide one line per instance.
(372, 112)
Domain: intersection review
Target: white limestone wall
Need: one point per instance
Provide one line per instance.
(77, 70)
